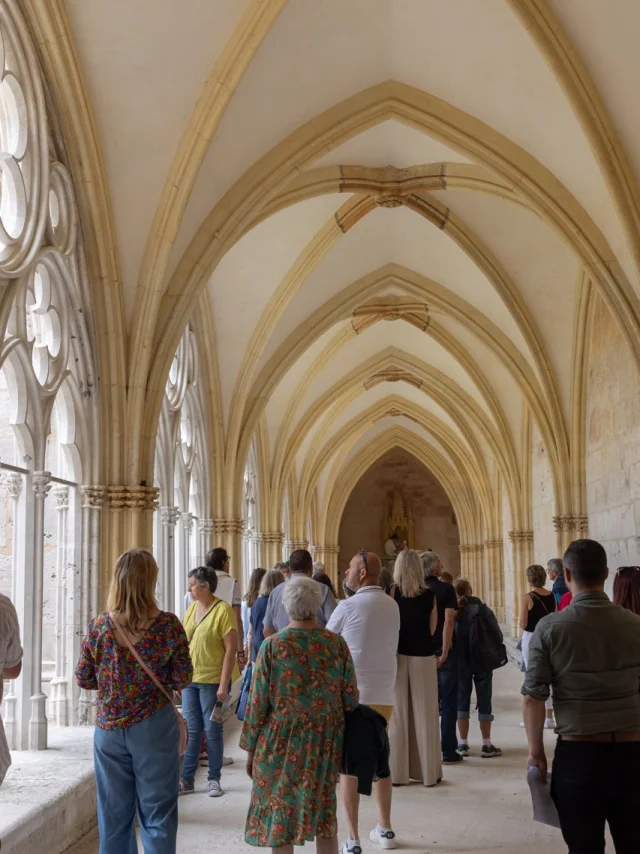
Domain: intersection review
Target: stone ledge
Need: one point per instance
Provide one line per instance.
(48, 799)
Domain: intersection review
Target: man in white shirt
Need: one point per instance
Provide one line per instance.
(369, 622)
(10, 666)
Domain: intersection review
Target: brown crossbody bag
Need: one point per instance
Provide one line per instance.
(183, 730)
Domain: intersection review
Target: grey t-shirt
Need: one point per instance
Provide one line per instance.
(276, 617)
(589, 654)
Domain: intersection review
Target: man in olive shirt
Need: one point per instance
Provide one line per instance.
(589, 654)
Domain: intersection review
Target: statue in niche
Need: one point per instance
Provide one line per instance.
(397, 530)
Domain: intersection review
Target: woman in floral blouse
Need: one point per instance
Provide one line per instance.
(303, 682)
(136, 744)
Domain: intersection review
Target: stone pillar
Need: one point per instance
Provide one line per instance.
(297, 544)
(92, 592)
(41, 483)
(229, 536)
(568, 529)
(59, 683)
(130, 522)
(495, 559)
(183, 562)
(207, 530)
(522, 558)
(256, 545)
(329, 557)
(272, 547)
(13, 483)
(169, 516)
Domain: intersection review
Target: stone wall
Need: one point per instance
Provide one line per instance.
(542, 502)
(613, 442)
(365, 510)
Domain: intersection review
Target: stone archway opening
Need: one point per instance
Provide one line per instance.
(430, 515)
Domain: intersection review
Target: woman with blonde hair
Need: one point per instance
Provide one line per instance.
(136, 742)
(414, 730)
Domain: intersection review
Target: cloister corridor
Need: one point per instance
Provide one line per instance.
(282, 275)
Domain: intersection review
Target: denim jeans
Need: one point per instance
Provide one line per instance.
(137, 770)
(448, 687)
(484, 690)
(593, 783)
(198, 701)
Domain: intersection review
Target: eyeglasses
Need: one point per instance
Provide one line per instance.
(363, 555)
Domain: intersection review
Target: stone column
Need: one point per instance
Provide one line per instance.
(256, 545)
(329, 557)
(229, 536)
(183, 564)
(93, 586)
(568, 529)
(41, 483)
(59, 683)
(522, 558)
(495, 558)
(13, 483)
(272, 547)
(129, 521)
(169, 516)
(297, 544)
(207, 530)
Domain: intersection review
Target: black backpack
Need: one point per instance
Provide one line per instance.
(487, 651)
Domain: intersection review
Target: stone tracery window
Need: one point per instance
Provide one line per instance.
(183, 528)
(49, 425)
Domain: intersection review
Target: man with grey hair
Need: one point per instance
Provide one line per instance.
(447, 604)
(555, 571)
(276, 617)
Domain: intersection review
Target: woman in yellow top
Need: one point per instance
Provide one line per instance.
(211, 628)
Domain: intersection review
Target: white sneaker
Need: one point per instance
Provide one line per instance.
(215, 789)
(549, 723)
(227, 760)
(355, 848)
(384, 838)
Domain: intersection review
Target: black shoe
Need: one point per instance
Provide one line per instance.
(452, 760)
(463, 750)
(490, 752)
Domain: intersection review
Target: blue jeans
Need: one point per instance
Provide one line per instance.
(448, 687)
(137, 770)
(484, 691)
(198, 701)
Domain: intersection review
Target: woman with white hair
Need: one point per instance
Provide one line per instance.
(414, 732)
(303, 682)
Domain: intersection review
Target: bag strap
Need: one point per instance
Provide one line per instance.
(210, 611)
(146, 669)
(538, 599)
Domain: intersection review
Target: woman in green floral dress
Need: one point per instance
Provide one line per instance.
(303, 682)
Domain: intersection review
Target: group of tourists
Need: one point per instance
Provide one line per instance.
(366, 692)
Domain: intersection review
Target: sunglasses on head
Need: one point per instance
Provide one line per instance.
(363, 555)
(625, 568)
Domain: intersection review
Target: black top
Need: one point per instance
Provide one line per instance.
(445, 598)
(542, 605)
(415, 628)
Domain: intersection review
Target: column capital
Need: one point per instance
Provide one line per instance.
(276, 537)
(471, 548)
(132, 497)
(41, 483)
(570, 523)
(294, 545)
(207, 526)
(93, 496)
(521, 536)
(169, 514)
(13, 482)
(493, 544)
(326, 550)
(187, 520)
(60, 495)
(228, 526)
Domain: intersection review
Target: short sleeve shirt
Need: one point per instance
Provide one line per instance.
(276, 616)
(445, 598)
(206, 641)
(228, 589)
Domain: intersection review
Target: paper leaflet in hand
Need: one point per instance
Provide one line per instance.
(544, 809)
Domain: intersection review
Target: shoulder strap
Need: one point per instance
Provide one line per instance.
(537, 598)
(132, 649)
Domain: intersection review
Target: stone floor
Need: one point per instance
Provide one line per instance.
(481, 807)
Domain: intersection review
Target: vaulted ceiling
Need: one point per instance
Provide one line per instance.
(388, 216)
